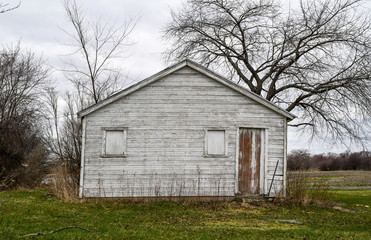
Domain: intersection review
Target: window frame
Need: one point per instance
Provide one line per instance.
(208, 155)
(104, 134)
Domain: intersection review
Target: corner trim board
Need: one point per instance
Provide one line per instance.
(82, 165)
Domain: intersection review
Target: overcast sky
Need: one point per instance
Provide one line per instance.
(37, 24)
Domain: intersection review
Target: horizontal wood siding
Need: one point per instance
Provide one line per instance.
(166, 124)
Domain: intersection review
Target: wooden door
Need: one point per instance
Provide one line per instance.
(251, 146)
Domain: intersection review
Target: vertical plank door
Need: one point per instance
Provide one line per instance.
(250, 154)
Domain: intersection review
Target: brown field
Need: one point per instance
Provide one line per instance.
(340, 179)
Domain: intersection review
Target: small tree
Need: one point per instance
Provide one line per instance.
(299, 160)
(98, 44)
(64, 142)
(64, 137)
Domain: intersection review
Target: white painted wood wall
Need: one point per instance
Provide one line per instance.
(166, 124)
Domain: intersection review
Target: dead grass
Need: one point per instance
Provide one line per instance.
(301, 191)
(63, 184)
(340, 179)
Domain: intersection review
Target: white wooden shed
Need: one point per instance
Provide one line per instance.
(184, 131)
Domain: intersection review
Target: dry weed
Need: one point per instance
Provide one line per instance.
(64, 184)
(301, 191)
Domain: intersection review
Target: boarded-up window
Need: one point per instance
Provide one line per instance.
(114, 141)
(215, 142)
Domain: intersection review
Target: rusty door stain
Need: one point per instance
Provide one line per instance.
(250, 150)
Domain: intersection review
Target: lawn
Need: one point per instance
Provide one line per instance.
(31, 211)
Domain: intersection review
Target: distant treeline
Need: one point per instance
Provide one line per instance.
(303, 160)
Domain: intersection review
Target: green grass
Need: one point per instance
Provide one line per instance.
(352, 197)
(23, 212)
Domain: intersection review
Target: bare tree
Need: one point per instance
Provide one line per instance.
(299, 159)
(313, 61)
(98, 44)
(5, 7)
(94, 78)
(64, 136)
(22, 151)
(64, 141)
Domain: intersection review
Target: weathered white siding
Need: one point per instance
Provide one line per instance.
(166, 123)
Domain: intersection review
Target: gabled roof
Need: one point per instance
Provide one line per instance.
(194, 66)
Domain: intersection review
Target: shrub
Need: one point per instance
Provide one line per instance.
(301, 191)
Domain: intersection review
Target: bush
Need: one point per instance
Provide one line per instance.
(301, 191)
(28, 171)
(347, 161)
